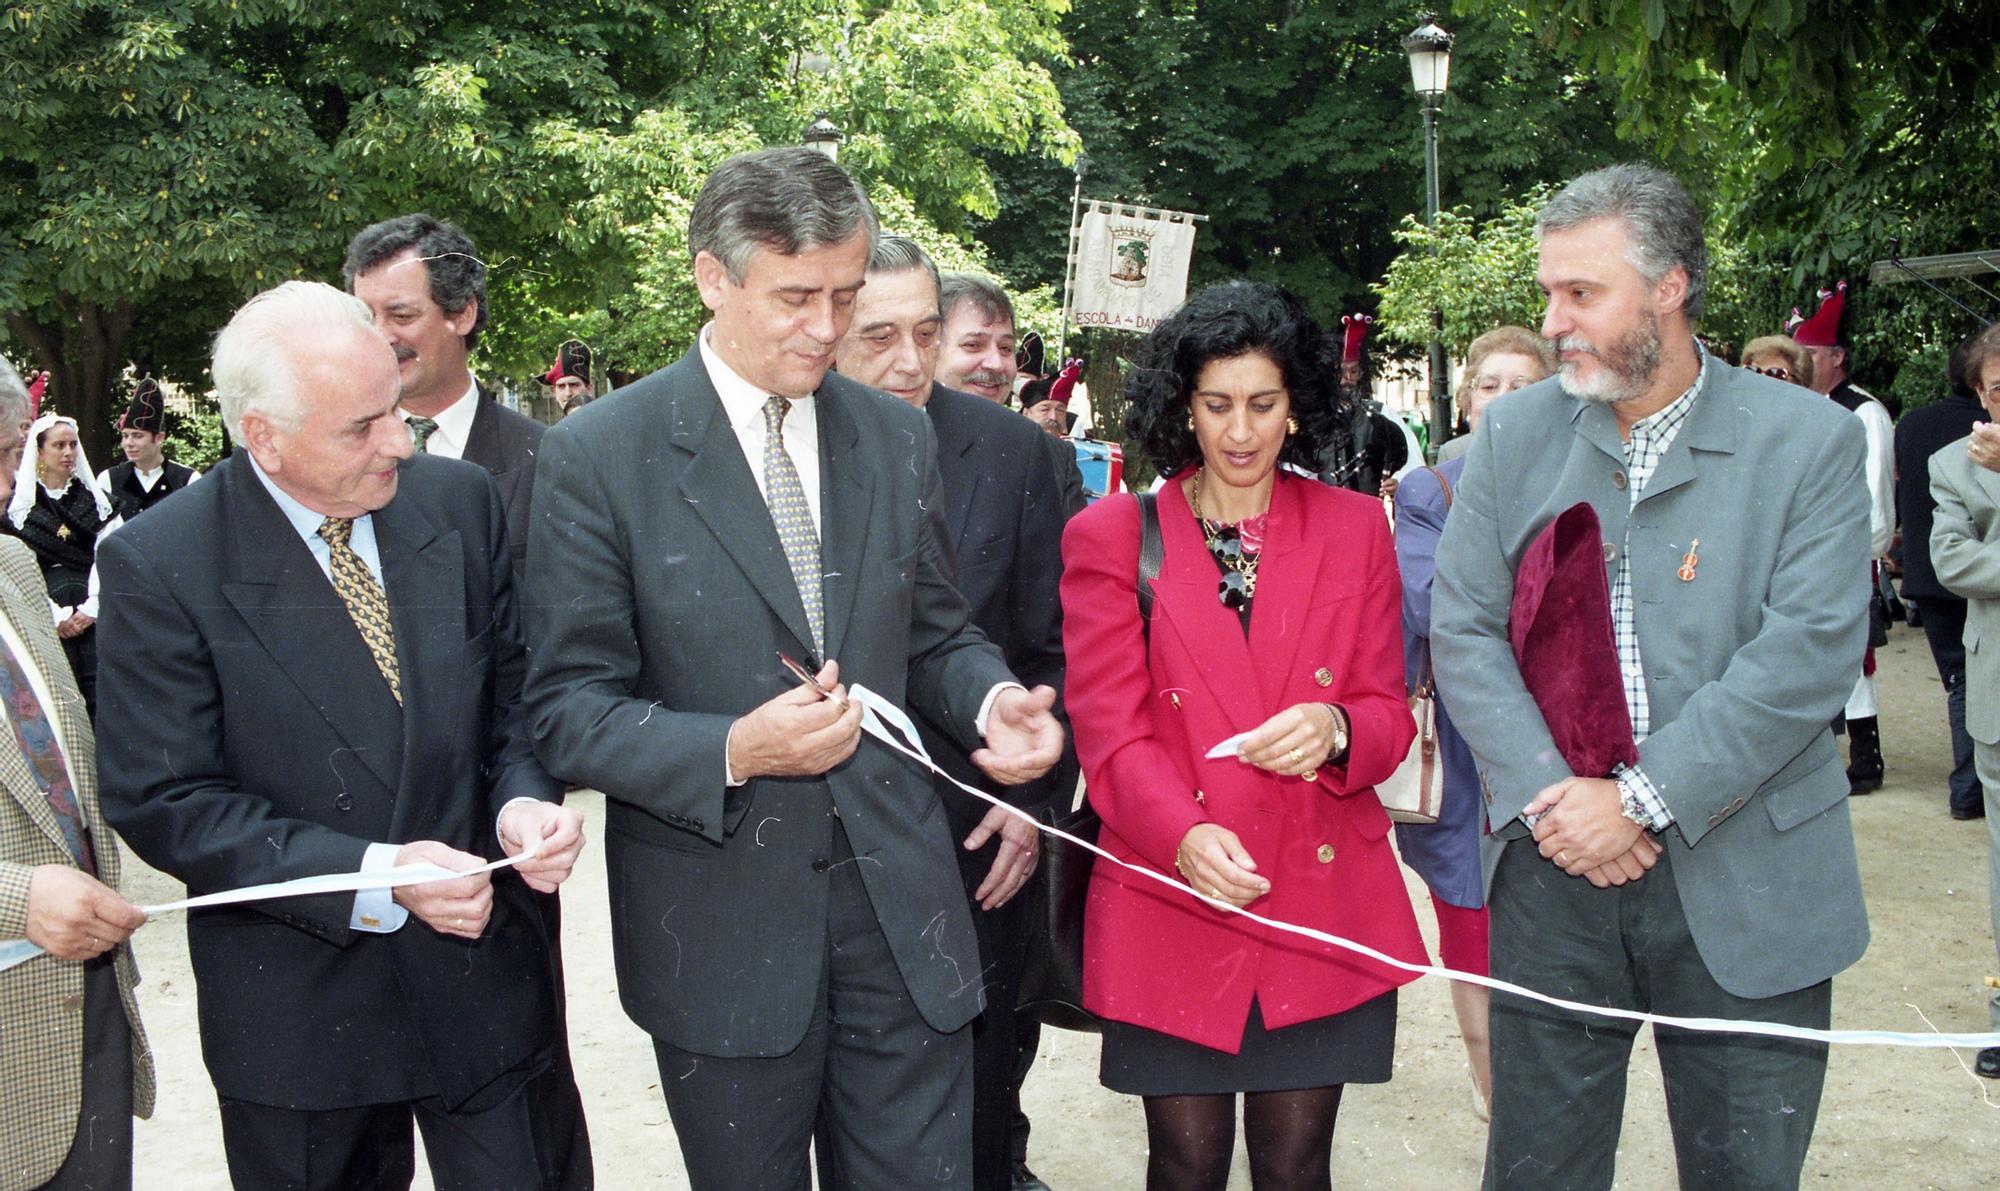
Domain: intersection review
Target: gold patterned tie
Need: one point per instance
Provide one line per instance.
(793, 516)
(365, 601)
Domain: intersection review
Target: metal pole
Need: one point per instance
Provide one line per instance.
(1069, 261)
(1440, 388)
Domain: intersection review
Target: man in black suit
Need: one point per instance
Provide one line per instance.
(786, 912)
(426, 283)
(1003, 517)
(976, 356)
(1922, 433)
(314, 667)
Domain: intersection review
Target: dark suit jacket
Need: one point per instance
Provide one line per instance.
(246, 736)
(658, 601)
(1003, 518)
(504, 442)
(1069, 474)
(1921, 433)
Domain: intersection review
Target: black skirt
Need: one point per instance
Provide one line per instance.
(1358, 1046)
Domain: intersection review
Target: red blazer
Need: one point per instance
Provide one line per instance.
(1326, 627)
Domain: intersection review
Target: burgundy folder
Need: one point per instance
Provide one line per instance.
(1560, 627)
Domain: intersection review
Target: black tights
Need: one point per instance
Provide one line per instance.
(1289, 1136)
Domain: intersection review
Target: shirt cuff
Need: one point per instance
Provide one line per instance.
(498, 838)
(729, 779)
(986, 705)
(375, 910)
(1640, 799)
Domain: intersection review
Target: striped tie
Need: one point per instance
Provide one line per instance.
(793, 517)
(366, 603)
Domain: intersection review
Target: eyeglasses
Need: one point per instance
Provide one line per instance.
(1989, 394)
(1775, 372)
(1492, 385)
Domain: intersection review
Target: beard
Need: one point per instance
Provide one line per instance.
(1626, 366)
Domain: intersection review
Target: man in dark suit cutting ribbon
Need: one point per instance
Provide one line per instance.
(786, 912)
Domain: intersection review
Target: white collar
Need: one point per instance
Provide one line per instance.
(455, 420)
(742, 401)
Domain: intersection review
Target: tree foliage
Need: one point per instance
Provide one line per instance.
(162, 160)
(1294, 128)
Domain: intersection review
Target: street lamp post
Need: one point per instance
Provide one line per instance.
(823, 136)
(1429, 48)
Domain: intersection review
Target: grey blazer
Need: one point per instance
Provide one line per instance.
(1963, 530)
(1746, 664)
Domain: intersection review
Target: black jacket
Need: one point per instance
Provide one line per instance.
(246, 736)
(1922, 433)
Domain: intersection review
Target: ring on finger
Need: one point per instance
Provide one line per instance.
(1297, 756)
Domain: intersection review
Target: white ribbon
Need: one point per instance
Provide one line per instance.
(20, 951)
(875, 710)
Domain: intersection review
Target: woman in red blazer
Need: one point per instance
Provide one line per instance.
(1276, 612)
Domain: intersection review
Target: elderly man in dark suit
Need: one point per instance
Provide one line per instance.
(426, 284)
(786, 910)
(1003, 518)
(332, 623)
(73, 1057)
(1717, 876)
(1922, 433)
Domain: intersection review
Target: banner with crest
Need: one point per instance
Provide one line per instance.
(1129, 264)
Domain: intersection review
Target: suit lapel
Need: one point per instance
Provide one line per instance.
(1988, 482)
(1284, 590)
(19, 607)
(480, 446)
(1709, 427)
(718, 486)
(1211, 635)
(846, 497)
(1596, 426)
(960, 478)
(423, 570)
(288, 603)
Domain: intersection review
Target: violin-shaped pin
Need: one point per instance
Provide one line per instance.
(1688, 562)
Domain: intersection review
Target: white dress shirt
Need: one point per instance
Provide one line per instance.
(375, 910)
(743, 404)
(454, 425)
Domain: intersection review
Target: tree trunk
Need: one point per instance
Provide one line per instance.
(84, 355)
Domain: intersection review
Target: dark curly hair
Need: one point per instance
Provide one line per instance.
(1219, 323)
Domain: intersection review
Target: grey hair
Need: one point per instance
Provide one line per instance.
(984, 293)
(252, 359)
(1662, 224)
(786, 200)
(13, 397)
(900, 254)
(450, 259)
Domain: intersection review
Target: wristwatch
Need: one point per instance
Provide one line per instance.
(1339, 749)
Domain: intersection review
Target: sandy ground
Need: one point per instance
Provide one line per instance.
(1891, 1118)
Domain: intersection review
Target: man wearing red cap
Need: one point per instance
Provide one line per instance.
(1379, 449)
(1825, 340)
(569, 377)
(147, 476)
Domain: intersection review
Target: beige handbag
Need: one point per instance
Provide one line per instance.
(1415, 791)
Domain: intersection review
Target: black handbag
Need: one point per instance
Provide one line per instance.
(1051, 990)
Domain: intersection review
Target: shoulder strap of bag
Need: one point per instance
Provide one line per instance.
(1152, 553)
(1444, 484)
